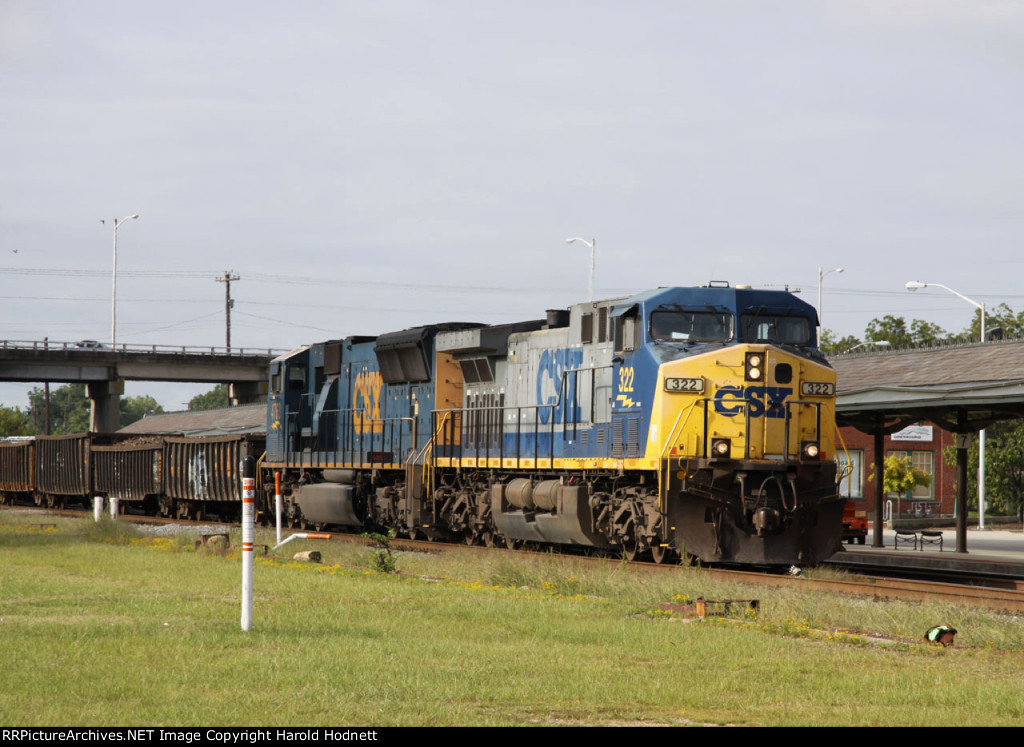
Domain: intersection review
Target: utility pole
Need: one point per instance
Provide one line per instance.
(228, 303)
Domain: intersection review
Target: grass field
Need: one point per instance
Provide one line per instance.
(102, 625)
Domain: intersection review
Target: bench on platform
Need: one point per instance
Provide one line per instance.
(906, 538)
(931, 538)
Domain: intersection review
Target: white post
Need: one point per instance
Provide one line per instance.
(113, 508)
(981, 450)
(278, 503)
(248, 536)
(97, 507)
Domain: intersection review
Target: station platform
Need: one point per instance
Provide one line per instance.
(998, 552)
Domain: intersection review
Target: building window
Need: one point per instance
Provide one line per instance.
(852, 485)
(921, 460)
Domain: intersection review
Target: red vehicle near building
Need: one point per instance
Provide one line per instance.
(855, 524)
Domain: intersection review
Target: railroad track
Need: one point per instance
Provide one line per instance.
(968, 590)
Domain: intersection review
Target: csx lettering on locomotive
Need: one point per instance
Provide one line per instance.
(768, 401)
(553, 365)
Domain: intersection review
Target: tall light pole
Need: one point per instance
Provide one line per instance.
(913, 285)
(592, 243)
(113, 294)
(821, 276)
(876, 343)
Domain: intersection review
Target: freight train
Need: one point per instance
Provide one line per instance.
(172, 476)
(693, 423)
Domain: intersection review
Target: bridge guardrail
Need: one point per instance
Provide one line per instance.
(96, 347)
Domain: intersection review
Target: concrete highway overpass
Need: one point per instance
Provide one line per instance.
(104, 370)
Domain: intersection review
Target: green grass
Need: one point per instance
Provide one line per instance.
(100, 625)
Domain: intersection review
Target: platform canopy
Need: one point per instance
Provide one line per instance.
(962, 388)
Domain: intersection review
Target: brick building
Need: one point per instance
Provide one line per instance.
(924, 444)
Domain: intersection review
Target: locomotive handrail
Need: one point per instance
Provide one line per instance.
(847, 469)
(817, 422)
(429, 445)
(345, 417)
(462, 411)
(661, 458)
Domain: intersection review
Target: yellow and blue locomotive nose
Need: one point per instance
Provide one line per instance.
(744, 402)
(746, 450)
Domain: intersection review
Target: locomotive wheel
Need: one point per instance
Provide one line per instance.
(629, 549)
(489, 540)
(661, 554)
(468, 536)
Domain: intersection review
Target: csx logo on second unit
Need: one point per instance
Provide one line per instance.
(769, 401)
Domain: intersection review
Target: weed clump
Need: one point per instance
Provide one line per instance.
(113, 532)
(381, 557)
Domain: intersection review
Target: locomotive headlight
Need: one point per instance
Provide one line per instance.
(754, 367)
(720, 448)
(811, 450)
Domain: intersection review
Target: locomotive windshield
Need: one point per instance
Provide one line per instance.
(691, 326)
(777, 328)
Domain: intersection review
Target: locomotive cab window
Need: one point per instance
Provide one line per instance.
(690, 326)
(777, 328)
(297, 378)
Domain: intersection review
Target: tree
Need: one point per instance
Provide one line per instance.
(13, 422)
(70, 409)
(926, 333)
(1002, 316)
(1004, 466)
(136, 408)
(831, 346)
(890, 329)
(893, 329)
(216, 397)
(898, 476)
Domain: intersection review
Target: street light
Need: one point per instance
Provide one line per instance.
(821, 276)
(914, 285)
(876, 343)
(113, 294)
(592, 243)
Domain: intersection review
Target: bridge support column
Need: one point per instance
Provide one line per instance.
(246, 392)
(106, 405)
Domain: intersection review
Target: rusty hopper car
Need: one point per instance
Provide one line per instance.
(131, 471)
(17, 469)
(64, 467)
(203, 475)
(63, 472)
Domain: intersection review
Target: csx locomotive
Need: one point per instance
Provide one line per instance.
(681, 421)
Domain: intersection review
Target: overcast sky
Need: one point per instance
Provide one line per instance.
(369, 166)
